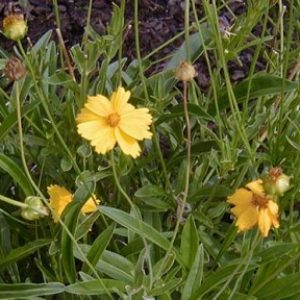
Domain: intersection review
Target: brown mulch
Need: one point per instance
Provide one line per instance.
(159, 20)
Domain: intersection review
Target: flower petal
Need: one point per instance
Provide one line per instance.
(264, 222)
(240, 197)
(90, 206)
(136, 123)
(59, 199)
(105, 140)
(239, 209)
(256, 187)
(247, 219)
(91, 130)
(119, 99)
(87, 115)
(273, 213)
(99, 105)
(127, 144)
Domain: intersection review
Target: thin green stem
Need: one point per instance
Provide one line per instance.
(117, 181)
(141, 71)
(13, 202)
(58, 25)
(187, 30)
(119, 77)
(182, 203)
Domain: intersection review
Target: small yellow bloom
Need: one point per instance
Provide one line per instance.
(60, 197)
(254, 207)
(15, 27)
(105, 122)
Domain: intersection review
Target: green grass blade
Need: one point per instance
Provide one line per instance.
(21, 252)
(98, 247)
(95, 287)
(13, 169)
(29, 290)
(138, 226)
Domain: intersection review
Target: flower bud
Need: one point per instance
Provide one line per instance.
(185, 71)
(14, 69)
(35, 209)
(276, 182)
(15, 27)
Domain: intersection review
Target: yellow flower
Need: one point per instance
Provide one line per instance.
(15, 27)
(60, 197)
(106, 122)
(252, 207)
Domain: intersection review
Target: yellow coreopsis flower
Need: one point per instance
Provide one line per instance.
(105, 122)
(60, 197)
(253, 206)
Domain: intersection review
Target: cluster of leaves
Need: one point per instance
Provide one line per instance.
(131, 252)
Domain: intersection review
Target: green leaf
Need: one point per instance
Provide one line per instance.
(152, 196)
(164, 287)
(138, 226)
(217, 278)
(42, 43)
(150, 190)
(116, 266)
(261, 85)
(195, 44)
(21, 252)
(70, 214)
(13, 169)
(98, 247)
(178, 111)
(189, 242)
(29, 290)
(194, 278)
(11, 120)
(96, 287)
(112, 264)
(85, 226)
(281, 288)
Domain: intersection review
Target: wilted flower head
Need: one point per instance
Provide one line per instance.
(35, 209)
(105, 122)
(254, 207)
(60, 197)
(276, 182)
(15, 27)
(14, 69)
(185, 71)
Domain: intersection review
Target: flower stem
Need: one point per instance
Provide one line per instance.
(13, 202)
(117, 181)
(144, 85)
(187, 176)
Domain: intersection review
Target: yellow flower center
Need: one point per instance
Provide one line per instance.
(259, 201)
(113, 119)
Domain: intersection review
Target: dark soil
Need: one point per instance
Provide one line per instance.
(160, 20)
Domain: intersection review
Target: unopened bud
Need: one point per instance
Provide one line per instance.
(185, 71)
(15, 27)
(14, 69)
(276, 182)
(35, 209)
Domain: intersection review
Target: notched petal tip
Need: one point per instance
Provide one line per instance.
(256, 187)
